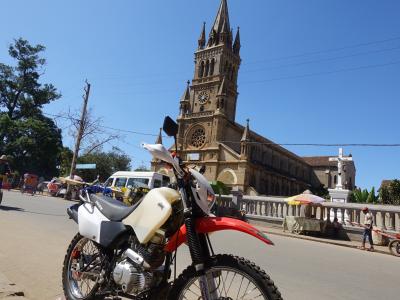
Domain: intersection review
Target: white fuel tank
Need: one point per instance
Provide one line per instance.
(152, 213)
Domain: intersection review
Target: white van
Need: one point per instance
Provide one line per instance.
(126, 179)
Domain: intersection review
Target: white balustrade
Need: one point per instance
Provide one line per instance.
(385, 217)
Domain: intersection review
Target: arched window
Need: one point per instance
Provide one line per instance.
(212, 67)
(222, 103)
(207, 68)
(201, 69)
(335, 179)
(202, 108)
(226, 67)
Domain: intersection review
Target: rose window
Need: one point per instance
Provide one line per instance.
(198, 137)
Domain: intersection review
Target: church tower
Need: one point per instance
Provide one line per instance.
(210, 102)
(208, 134)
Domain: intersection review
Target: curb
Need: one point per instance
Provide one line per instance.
(322, 241)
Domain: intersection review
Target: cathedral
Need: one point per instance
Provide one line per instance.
(209, 135)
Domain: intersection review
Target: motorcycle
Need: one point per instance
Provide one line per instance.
(130, 251)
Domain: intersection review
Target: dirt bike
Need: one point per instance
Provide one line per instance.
(130, 252)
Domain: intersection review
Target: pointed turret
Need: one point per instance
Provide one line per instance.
(202, 38)
(159, 138)
(246, 132)
(236, 44)
(222, 88)
(220, 30)
(222, 91)
(186, 94)
(244, 142)
(185, 100)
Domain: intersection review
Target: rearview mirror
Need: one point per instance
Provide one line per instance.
(170, 127)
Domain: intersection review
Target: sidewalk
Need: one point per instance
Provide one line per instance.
(349, 244)
(9, 290)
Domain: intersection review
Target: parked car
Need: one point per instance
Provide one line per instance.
(122, 179)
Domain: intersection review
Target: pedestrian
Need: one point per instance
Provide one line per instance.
(4, 171)
(368, 222)
(336, 228)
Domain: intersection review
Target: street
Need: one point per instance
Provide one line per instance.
(35, 232)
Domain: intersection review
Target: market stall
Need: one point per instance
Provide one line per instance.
(307, 222)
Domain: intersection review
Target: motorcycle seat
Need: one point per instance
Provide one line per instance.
(112, 209)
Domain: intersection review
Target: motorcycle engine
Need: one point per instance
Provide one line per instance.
(139, 267)
(131, 279)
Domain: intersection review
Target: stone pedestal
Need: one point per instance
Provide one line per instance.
(341, 196)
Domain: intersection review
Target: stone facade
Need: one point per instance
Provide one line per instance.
(208, 134)
(327, 172)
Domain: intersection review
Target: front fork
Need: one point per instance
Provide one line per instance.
(199, 251)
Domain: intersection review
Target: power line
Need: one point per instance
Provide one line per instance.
(106, 127)
(323, 73)
(316, 144)
(321, 60)
(162, 75)
(259, 143)
(325, 50)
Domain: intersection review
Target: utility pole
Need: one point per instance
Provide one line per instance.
(78, 137)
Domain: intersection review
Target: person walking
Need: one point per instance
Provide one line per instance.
(368, 222)
(4, 171)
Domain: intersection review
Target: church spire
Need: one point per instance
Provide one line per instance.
(220, 30)
(186, 94)
(222, 88)
(185, 105)
(236, 44)
(202, 38)
(159, 138)
(246, 132)
(244, 142)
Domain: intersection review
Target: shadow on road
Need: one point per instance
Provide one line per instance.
(12, 208)
(7, 208)
(44, 214)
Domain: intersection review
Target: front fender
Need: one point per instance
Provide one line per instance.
(211, 224)
(73, 212)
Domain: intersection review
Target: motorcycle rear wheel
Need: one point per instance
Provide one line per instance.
(77, 285)
(235, 278)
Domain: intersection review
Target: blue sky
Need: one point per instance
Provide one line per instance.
(312, 71)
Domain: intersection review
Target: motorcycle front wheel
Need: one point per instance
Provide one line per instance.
(81, 270)
(233, 278)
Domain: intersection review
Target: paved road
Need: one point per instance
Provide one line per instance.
(35, 232)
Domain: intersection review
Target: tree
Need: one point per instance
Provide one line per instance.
(389, 193)
(142, 167)
(363, 196)
(107, 163)
(65, 161)
(31, 139)
(94, 135)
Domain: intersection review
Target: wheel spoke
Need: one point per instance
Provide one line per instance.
(84, 270)
(230, 284)
(234, 275)
(240, 287)
(245, 292)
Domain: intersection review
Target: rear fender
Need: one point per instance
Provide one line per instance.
(212, 224)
